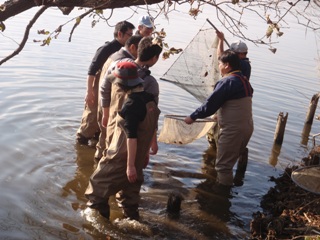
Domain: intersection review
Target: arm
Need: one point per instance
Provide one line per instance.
(105, 92)
(105, 116)
(131, 158)
(220, 49)
(213, 102)
(90, 93)
(154, 144)
(105, 95)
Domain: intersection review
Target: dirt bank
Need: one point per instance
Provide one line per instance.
(289, 212)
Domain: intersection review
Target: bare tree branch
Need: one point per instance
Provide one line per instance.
(14, 7)
(230, 13)
(26, 35)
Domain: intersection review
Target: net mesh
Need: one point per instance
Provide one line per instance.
(307, 178)
(196, 69)
(176, 131)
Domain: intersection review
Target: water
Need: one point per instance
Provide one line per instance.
(44, 173)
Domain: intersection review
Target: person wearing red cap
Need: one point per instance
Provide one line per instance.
(112, 96)
(128, 51)
(121, 168)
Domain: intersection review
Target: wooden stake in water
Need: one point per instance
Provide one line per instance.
(312, 108)
(280, 128)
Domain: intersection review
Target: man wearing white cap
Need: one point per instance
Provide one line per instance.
(241, 49)
(146, 26)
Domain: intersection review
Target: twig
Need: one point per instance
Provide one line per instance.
(307, 217)
(77, 22)
(26, 35)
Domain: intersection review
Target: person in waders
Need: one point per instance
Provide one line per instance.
(129, 51)
(232, 100)
(241, 49)
(89, 127)
(121, 168)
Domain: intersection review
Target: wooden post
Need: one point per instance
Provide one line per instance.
(275, 152)
(312, 108)
(305, 134)
(281, 125)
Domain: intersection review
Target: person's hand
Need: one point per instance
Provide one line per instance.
(90, 98)
(154, 147)
(131, 174)
(220, 35)
(215, 117)
(188, 120)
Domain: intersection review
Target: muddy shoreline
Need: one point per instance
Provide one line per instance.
(289, 212)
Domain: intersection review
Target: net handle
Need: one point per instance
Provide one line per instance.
(182, 117)
(217, 30)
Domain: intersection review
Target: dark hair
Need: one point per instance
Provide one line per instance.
(123, 27)
(135, 39)
(147, 50)
(232, 58)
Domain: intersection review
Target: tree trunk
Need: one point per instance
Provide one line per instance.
(13, 7)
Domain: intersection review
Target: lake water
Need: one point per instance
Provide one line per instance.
(44, 173)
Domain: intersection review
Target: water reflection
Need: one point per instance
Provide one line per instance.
(85, 167)
(203, 214)
(44, 175)
(275, 152)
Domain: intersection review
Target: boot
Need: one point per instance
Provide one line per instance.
(222, 190)
(102, 208)
(241, 169)
(131, 212)
(82, 139)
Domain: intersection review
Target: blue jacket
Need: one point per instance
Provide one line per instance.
(233, 86)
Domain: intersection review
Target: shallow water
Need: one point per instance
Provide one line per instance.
(44, 173)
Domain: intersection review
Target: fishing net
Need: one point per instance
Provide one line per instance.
(196, 71)
(176, 131)
(307, 178)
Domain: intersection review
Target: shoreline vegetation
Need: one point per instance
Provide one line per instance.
(289, 212)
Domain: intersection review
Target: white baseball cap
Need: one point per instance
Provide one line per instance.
(239, 47)
(146, 21)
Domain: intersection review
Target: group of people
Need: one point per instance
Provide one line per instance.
(121, 107)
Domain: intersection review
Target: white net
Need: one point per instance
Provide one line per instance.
(196, 69)
(176, 131)
(307, 178)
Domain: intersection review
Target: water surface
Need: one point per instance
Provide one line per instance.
(44, 173)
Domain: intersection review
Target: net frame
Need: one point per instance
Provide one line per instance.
(308, 178)
(176, 131)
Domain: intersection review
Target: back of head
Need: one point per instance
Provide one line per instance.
(231, 58)
(239, 47)
(146, 21)
(147, 49)
(123, 27)
(126, 75)
(135, 39)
